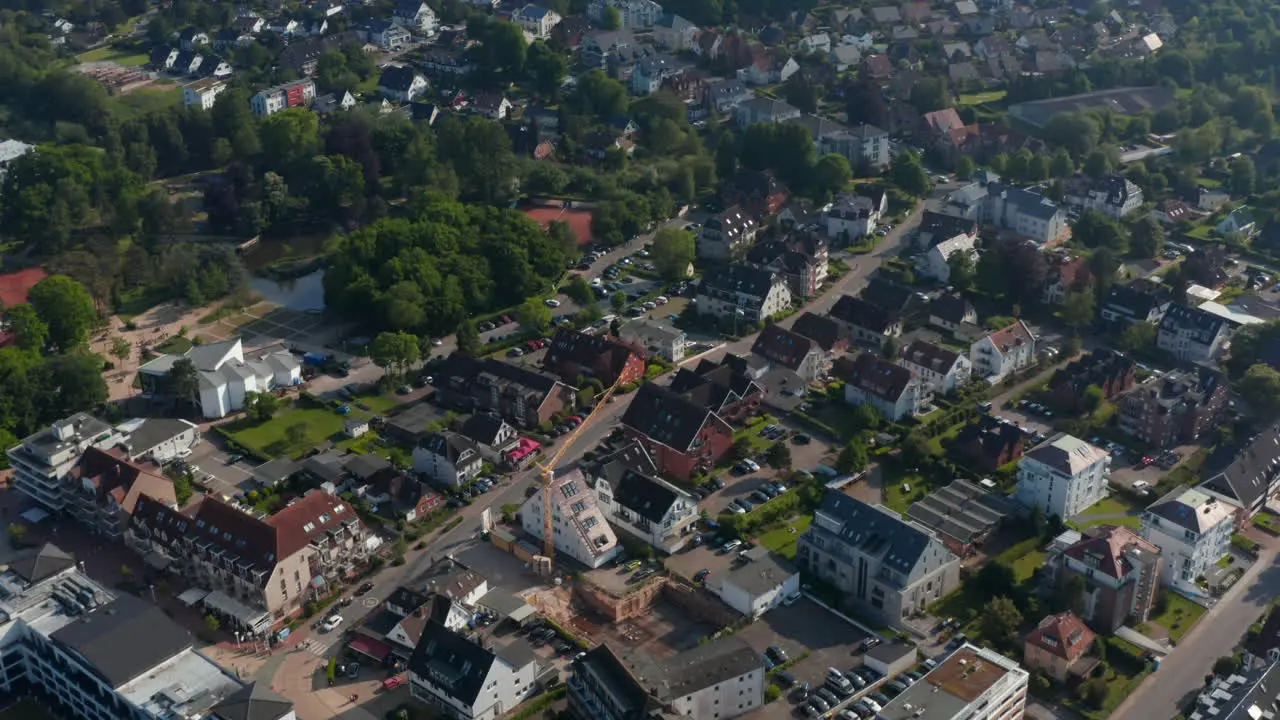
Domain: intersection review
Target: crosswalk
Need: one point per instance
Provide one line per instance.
(319, 646)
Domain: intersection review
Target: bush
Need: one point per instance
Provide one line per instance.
(331, 672)
(771, 693)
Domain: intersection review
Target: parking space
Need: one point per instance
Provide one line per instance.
(689, 563)
(214, 473)
(735, 488)
(805, 626)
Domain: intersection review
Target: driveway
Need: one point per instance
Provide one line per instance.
(209, 458)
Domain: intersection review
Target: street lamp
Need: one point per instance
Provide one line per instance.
(737, 313)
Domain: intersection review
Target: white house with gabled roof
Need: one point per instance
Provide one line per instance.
(225, 375)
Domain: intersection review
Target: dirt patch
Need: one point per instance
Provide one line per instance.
(579, 220)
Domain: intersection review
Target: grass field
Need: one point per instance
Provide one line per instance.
(120, 56)
(981, 98)
(1179, 616)
(1024, 558)
(270, 439)
(1133, 522)
(1109, 505)
(156, 96)
(783, 540)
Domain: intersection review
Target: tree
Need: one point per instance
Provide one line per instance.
(865, 418)
(1061, 166)
(1094, 691)
(579, 291)
(31, 332)
(1226, 665)
(1097, 164)
(534, 314)
(396, 350)
(853, 457)
(916, 449)
(930, 94)
(964, 167)
(891, 349)
(779, 456)
(66, 308)
(1138, 336)
(296, 433)
(673, 252)
(830, 175)
(801, 93)
(995, 579)
(612, 18)
(1243, 176)
(183, 380)
(261, 406)
(1092, 399)
(865, 104)
(618, 301)
(212, 623)
(740, 449)
(1097, 230)
(1000, 621)
(1072, 595)
(962, 271)
(468, 338)
(1260, 386)
(908, 174)
(1146, 237)
(1078, 309)
(120, 348)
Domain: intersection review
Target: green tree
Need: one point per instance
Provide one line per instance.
(930, 94)
(1061, 166)
(779, 456)
(579, 291)
(965, 167)
(66, 308)
(740, 449)
(1243, 176)
(853, 457)
(395, 350)
(30, 331)
(1138, 336)
(1097, 164)
(468, 338)
(673, 252)
(908, 174)
(120, 348)
(183, 380)
(962, 271)
(1097, 230)
(1078, 309)
(1092, 399)
(547, 67)
(533, 314)
(261, 406)
(1094, 692)
(618, 301)
(1146, 237)
(1000, 621)
(212, 623)
(612, 18)
(1260, 387)
(831, 175)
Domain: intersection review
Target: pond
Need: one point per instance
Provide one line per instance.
(304, 293)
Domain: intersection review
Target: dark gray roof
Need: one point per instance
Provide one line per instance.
(325, 468)
(647, 496)
(818, 328)
(962, 511)
(944, 227)
(888, 294)
(722, 659)
(928, 355)
(666, 417)
(363, 467)
(1245, 471)
(42, 564)
(764, 571)
(154, 431)
(872, 530)
(124, 638)
(277, 471)
(255, 701)
(449, 445)
(952, 308)
(483, 428)
(1204, 326)
(629, 457)
(609, 672)
(863, 313)
(397, 78)
(1246, 695)
(874, 375)
(452, 663)
(741, 279)
(715, 385)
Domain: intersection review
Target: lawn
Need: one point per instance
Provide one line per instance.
(783, 539)
(983, 97)
(1133, 522)
(1179, 616)
(1108, 506)
(1267, 521)
(156, 96)
(897, 498)
(175, 345)
(1024, 558)
(380, 404)
(270, 439)
(120, 56)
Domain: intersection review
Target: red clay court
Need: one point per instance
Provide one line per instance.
(579, 220)
(14, 286)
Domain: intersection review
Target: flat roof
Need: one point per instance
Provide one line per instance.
(949, 688)
(189, 683)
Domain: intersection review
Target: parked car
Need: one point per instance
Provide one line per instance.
(331, 623)
(364, 589)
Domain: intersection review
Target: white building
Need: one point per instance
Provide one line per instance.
(225, 375)
(299, 93)
(851, 217)
(536, 20)
(1193, 531)
(648, 508)
(1003, 352)
(581, 530)
(666, 342)
(935, 262)
(417, 16)
(1114, 195)
(757, 585)
(746, 293)
(635, 14)
(43, 460)
(972, 683)
(449, 458)
(202, 93)
(940, 370)
(1192, 334)
(1063, 476)
(158, 439)
(466, 681)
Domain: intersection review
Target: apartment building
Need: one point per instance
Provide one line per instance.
(1245, 473)
(1142, 300)
(575, 354)
(863, 322)
(1178, 407)
(1109, 371)
(1025, 213)
(884, 566)
(523, 397)
(972, 683)
(1063, 476)
(104, 489)
(648, 508)
(743, 294)
(635, 14)
(891, 389)
(1119, 569)
(940, 370)
(665, 342)
(299, 93)
(797, 353)
(254, 572)
(463, 680)
(202, 93)
(1192, 334)
(1112, 195)
(579, 524)
(727, 236)
(450, 459)
(682, 435)
(1193, 531)
(42, 460)
(85, 652)
(1008, 350)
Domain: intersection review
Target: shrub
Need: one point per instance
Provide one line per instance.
(771, 693)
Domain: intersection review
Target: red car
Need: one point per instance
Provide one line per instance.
(506, 319)
(393, 682)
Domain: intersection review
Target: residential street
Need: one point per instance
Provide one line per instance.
(1181, 674)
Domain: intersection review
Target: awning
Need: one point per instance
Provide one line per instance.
(192, 596)
(370, 647)
(247, 616)
(35, 515)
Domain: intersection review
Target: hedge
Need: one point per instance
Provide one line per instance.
(541, 703)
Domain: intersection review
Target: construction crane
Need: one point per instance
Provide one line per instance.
(549, 474)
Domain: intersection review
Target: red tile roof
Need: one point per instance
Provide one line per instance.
(1064, 635)
(1108, 545)
(308, 518)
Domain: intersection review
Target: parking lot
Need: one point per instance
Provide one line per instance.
(228, 480)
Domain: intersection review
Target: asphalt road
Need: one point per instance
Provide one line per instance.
(1181, 674)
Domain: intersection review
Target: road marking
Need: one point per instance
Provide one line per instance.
(369, 602)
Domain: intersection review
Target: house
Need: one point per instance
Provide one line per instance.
(298, 93)
(536, 20)
(816, 43)
(882, 566)
(523, 397)
(164, 57)
(330, 103)
(951, 311)
(1238, 222)
(1147, 45)
(580, 527)
(1119, 570)
(1172, 212)
(987, 443)
(405, 495)
(767, 67)
(399, 82)
(1193, 530)
(1112, 195)
(188, 63)
(202, 93)
(256, 572)
(1191, 334)
(1057, 646)
(1181, 406)
(760, 581)
(936, 227)
(845, 57)
(886, 15)
(1001, 353)
(936, 262)
(158, 440)
(193, 38)
(1245, 473)
(728, 388)
(415, 15)
(864, 146)
(674, 33)
(822, 330)
(763, 110)
(494, 438)
(1140, 301)
(225, 375)
(668, 343)
(681, 435)
(450, 459)
(851, 217)
(795, 352)
(635, 14)
(575, 354)
(743, 293)
(651, 73)
(494, 106)
(940, 122)
(649, 508)
(993, 46)
(445, 62)
(877, 67)
(727, 236)
(1106, 369)
(889, 388)
(463, 679)
(387, 35)
(1063, 476)
(1067, 274)
(1025, 213)
(725, 95)
(864, 323)
(962, 515)
(940, 370)
(757, 192)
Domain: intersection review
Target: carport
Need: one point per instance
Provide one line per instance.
(193, 596)
(506, 606)
(370, 648)
(244, 616)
